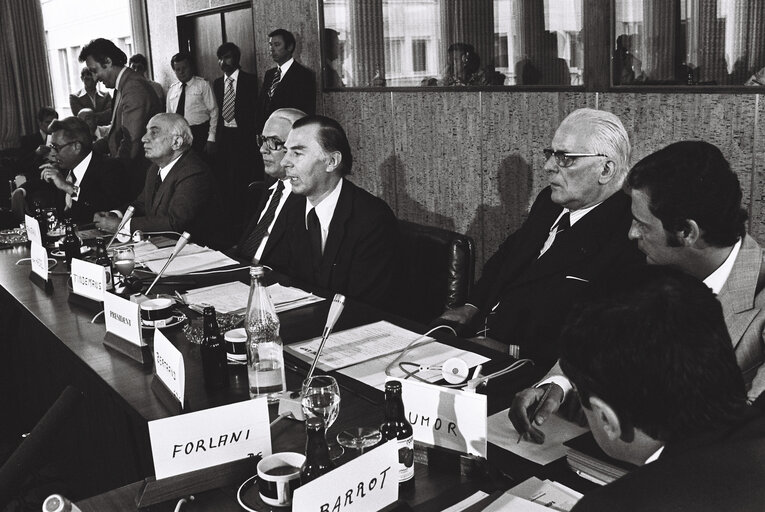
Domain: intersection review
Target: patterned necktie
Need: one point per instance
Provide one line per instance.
(228, 101)
(275, 82)
(250, 246)
(181, 108)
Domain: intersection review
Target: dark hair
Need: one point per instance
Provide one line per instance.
(231, 48)
(140, 59)
(99, 49)
(655, 347)
(46, 112)
(692, 180)
(289, 39)
(74, 128)
(180, 57)
(331, 137)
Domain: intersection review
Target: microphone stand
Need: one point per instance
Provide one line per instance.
(125, 219)
(335, 309)
(182, 241)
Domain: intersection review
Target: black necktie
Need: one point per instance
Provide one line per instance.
(314, 236)
(250, 246)
(563, 223)
(157, 183)
(181, 108)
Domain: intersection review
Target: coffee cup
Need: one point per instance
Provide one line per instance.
(278, 477)
(157, 312)
(236, 344)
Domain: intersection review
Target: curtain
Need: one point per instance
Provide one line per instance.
(660, 24)
(367, 42)
(24, 76)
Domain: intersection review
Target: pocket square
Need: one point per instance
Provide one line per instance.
(578, 279)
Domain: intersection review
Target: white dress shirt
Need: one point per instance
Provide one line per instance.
(574, 217)
(285, 67)
(325, 210)
(235, 77)
(199, 106)
(79, 172)
(285, 194)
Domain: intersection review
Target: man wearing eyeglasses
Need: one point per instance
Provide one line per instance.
(267, 227)
(575, 234)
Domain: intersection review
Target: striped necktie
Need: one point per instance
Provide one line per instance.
(251, 245)
(229, 98)
(275, 82)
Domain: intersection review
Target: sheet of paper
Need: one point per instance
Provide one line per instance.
(467, 502)
(556, 429)
(232, 297)
(186, 262)
(427, 353)
(548, 493)
(355, 345)
(150, 252)
(508, 502)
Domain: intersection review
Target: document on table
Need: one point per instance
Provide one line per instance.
(232, 297)
(557, 430)
(428, 352)
(192, 258)
(355, 345)
(548, 493)
(467, 502)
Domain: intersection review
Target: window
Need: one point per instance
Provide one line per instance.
(393, 49)
(419, 55)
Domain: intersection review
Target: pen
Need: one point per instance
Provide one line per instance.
(536, 410)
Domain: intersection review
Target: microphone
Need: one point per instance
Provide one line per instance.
(335, 310)
(125, 218)
(179, 245)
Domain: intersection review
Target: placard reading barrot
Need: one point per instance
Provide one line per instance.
(198, 440)
(88, 279)
(122, 318)
(449, 418)
(369, 482)
(169, 367)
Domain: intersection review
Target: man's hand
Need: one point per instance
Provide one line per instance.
(525, 403)
(52, 175)
(461, 315)
(211, 148)
(107, 221)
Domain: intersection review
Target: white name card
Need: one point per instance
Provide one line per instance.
(88, 279)
(39, 258)
(33, 230)
(168, 365)
(369, 482)
(197, 440)
(449, 418)
(123, 318)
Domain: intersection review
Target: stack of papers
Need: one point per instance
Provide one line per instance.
(547, 493)
(232, 297)
(192, 258)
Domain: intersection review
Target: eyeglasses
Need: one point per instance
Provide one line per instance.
(55, 147)
(564, 159)
(272, 143)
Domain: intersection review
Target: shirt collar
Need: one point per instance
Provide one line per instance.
(119, 77)
(655, 455)
(164, 171)
(234, 76)
(326, 208)
(717, 279)
(286, 66)
(287, 187)
(576, 215)
(79, 169)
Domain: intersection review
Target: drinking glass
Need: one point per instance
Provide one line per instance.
(124, 261)
(320, 397)
(359, 438)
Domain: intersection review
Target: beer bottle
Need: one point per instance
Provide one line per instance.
(58, 503)
(397, 427)
(71, 243)
(317, 461)
(103, 259)
(213, 352)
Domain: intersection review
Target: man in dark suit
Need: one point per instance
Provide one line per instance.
(654, 369)
(266, 230)
(179, 194)
(90, 97)
(236, 94)
(340, 237)
(85, 182)
(575, 234)
(134, 104)
(289, 84)
(29, 143)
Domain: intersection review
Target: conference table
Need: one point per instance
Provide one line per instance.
(49, 343)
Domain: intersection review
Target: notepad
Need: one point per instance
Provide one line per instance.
(232, 297)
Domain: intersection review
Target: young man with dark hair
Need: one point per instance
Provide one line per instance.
(657, 379)
(192, 97)
(140, 65)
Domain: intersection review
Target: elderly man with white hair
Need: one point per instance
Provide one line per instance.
(575, 234)
(179, 192)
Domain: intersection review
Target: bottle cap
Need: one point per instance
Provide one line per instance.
(393, 385)
(208, 310)
(257, 271)
(315, 423)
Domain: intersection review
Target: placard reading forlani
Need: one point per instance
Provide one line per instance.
(123, 328)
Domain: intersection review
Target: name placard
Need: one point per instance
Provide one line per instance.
(122, 318)
(449, 418)
(197, 440)
(88, 279)
(39, 258)
(33, 230)
(168, 365)
(369, 482)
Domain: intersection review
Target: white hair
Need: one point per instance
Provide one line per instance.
(609, 137)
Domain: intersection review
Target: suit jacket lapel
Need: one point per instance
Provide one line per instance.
(280, 226)
(337, 227)
(738, 293)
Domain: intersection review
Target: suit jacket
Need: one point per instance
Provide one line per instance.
(277, 236)
(103, 107)
(296, 89)
(135, 102)
(360, 255)
(535, 294)
(245, 108)
(721, 470)
(187, 200)
(743, 302)
(103, 188)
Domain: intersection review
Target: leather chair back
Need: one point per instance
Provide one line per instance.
(438, 270)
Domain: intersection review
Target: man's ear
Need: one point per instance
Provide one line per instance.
(107, 61)
(333, 160)
(608, 172)
(690, 233)
(608, 420)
